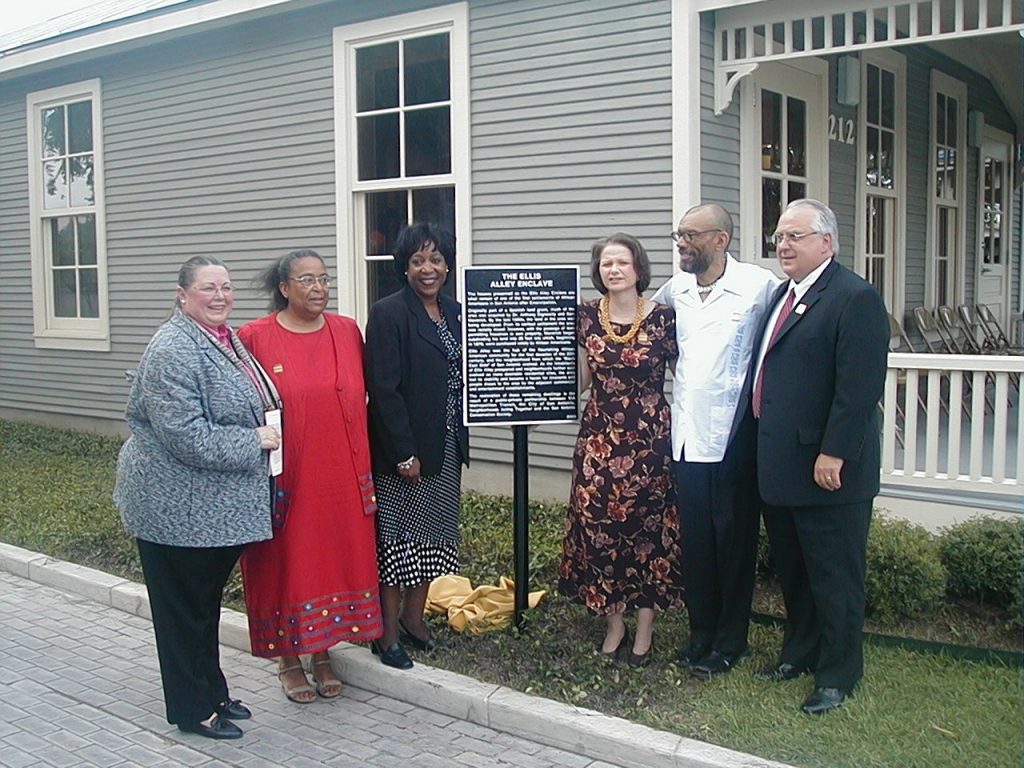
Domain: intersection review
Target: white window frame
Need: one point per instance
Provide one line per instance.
(350, 201)
(898, 64)
(51, 332)
(957, 89)
(749, 231)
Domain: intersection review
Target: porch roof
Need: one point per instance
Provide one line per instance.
(751, 33)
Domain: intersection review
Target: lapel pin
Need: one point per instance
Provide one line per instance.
(800, 309)
(278, 368)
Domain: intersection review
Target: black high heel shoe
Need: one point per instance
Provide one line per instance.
(638, 660)
(394, 656)
(615, 654)
(410, 639)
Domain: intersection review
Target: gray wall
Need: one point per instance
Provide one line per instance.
(571, 126)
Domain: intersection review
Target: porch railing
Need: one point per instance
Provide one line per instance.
(953, 422)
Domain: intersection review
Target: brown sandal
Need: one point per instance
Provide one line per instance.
(296, 691)
(326, 689)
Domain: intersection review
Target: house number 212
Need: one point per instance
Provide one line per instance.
(840, 129)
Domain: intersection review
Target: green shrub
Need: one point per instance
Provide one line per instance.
(983, 559)
(904, 570)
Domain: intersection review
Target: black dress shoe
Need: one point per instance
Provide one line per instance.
(409, 638)
(395, 656)
(233, 709)
(693, 652)
(776, 673)
(219, 728)
(616, 653)
(716, 663)
(823, 700)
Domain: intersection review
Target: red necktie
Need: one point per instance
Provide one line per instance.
(787, 309)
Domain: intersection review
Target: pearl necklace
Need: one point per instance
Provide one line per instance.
(604, 315)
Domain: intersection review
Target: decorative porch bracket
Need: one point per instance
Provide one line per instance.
(748, 35)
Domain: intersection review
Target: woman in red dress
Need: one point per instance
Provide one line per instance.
(315, 583)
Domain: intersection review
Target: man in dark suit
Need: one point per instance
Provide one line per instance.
(818, 373)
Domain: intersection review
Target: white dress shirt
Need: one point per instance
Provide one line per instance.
(715, 338)
(799, 291)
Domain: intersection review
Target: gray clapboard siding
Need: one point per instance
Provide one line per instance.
(571, 134)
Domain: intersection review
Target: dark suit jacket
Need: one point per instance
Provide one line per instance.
(407, 381)
(823, 378)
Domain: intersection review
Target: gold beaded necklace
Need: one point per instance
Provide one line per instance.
(604, 315)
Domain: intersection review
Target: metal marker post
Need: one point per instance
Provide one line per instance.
(520, 517)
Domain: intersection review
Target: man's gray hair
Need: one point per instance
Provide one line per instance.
(824, 219)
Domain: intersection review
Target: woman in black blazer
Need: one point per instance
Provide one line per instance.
(418, 442)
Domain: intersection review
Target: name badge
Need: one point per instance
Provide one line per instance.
(273, 419)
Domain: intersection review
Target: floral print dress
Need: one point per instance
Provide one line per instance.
(621, 547)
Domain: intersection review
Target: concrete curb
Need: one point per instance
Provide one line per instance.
(583, 731)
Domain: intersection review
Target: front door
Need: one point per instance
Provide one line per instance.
(994, 184)
(784, 149)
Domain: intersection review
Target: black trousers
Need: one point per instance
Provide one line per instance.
(719, 515)
(820, 556)
(185, 586)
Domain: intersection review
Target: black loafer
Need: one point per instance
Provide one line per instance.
(233, 709)
(219, 728)
(409, 638)
(823, 700)
(777, 673)
(693, 652)
(395, 656)
(716, 663)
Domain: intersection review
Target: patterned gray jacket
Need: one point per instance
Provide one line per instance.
(192, 474)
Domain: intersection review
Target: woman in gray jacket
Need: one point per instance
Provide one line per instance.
(192, 487)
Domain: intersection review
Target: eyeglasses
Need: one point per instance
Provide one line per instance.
(689, 235)
(791, 237)
(308, 281)
(213, 290)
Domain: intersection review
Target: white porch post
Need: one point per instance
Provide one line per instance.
(686, 79)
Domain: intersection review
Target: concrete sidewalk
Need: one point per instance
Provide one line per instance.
(79, 685)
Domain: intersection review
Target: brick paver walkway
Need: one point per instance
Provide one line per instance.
(79, 686)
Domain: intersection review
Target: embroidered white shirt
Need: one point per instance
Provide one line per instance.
(715, 339)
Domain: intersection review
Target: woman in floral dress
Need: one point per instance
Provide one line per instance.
(621, 548)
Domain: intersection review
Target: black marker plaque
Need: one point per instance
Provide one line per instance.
(519, 337)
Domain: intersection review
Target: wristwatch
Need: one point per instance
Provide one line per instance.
(407, 464)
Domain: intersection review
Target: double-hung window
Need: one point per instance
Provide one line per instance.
(67, 240)
(403, 141)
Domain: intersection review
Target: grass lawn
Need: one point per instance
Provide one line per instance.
(912, 709)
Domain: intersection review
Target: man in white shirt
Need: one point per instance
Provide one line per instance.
(719, 303)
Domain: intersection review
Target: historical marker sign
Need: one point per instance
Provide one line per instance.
(519, 342)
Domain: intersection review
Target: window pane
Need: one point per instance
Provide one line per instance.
(378, 146)
(53, 132)
(871, 140)
(80, 127)
(436, 205)
(888, 99)
(951, 121)
(950, 188)
(771, 209)
(428, 142)
(385, 214)
(940, 119)
(382, 280)
(377, 77)
(872, 90)
(62, 242)
(885, 162)
(86, 239)
(82, 180)
(88, 293)
(796, 122)
(796, 191)
(55, 184)
(771, 131)
(426, 69)
(64, 293)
